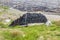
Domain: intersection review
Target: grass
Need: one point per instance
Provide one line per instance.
(36, 32)
(4, 9)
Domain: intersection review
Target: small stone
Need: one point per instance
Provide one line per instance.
(41, 38)
(7, 20)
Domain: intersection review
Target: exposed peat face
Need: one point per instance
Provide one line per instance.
(29, 18)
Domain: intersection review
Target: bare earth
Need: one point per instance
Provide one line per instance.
(52, 16)
(16, 14)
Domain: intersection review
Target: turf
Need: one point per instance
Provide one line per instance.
(36, 32)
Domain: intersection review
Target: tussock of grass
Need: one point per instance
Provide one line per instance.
(57, 23)
(12, 35)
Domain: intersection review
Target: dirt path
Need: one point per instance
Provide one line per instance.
(53, 17)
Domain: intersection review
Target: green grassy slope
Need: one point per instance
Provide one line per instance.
(36, 32)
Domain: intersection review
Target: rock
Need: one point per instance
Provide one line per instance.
(7, 20)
